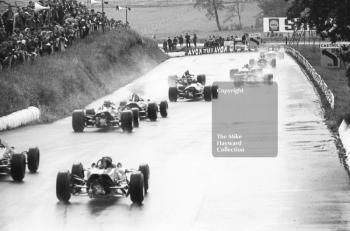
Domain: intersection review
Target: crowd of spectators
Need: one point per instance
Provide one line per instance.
(45, 27)
(179, 42)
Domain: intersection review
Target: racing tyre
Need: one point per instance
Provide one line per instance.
(33, 159)
(201, 79)
(233, 72)
(214, 92)
(90, 112)
(77, 170)
(152, 111)
(273, 63)
(122, 104)
(172, 94)
(18, 167)
(78, 121)
(144, 169)
(126, 119)
(63, 186)
(163, 108)
(135, 117)
(207, 93)
(136, 188)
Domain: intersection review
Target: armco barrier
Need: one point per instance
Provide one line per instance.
(19, 118)
(344, 135)
(313, 74)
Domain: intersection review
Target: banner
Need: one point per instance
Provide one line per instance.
(330, 55)
(283, 25)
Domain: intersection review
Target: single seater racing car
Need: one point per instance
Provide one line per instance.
(189, 87)
(103, 180)
(14, 164)
(108, 115)
(144, 109)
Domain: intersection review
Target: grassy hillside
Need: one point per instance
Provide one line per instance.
(92, 68)
(336, 81)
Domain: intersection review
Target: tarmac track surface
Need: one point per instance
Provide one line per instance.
(304, 188)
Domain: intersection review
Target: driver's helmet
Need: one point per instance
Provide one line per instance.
(107, 103)
(107, 162)
(135, 97)
(187, 73)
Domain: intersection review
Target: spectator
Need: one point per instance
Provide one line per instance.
(188, 40)
(181, 40)
(165, 46)
(174, 43)
(195, 40)
(347, 74)
(170, 44)
(7, 18)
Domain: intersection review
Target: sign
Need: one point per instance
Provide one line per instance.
(283, 25)
(330, 55)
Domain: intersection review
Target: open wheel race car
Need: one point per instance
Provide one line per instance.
(144, 109)
(265, 60)
(108, 115)
(14, 164)
(103, 180)
(248, 73)
(191, 87)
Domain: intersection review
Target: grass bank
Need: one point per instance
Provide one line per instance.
(91, 68)
(336, 81)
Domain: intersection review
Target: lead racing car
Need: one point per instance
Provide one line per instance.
(265, 60)
(14, 164)
(103, 180)
(108, 115)
(249, 73)
(144, 109)
(191, 87)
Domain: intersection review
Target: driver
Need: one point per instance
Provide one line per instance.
(108, 104)
(135, 98)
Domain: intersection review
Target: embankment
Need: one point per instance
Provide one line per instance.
(91, 68)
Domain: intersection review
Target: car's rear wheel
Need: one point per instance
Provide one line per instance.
(273, 63)
(78, 120)
(33, 158)
(144, 169)
(163, 108)
(215, 92)
(172, 94)
(136, 117)
(152, 111)
(18, 167)
(63, 189)
(90, 112)
(201, 79)
(136, 188)
(207, 93)
(126, 119)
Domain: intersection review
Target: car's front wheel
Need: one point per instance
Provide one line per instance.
(63, 189)
(136, 188)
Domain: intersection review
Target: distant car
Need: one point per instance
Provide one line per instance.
(108, 115)
(189, 87)
(146, 109)
(103, 180)
(250, 74)
(14, 164)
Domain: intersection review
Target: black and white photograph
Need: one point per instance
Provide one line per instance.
(157, 115)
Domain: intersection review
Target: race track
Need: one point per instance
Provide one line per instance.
(304, 188)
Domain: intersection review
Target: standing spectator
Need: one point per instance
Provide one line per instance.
(347, 74)
(170, 44)
(165, 46)
(174, 43)
(7, 18)
(19, 20)
(188, 40)
(181, 41)
(195, 40)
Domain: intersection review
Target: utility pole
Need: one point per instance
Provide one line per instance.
(103, 17)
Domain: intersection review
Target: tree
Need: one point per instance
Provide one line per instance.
(330, 17)
(273, 8)
(235, 10)
(212, 7)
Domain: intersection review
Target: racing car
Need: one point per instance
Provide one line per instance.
(103, 180)
(248, 73)
(264, 60)
(191, 87)
(144, 109)
(108, 115)
(14, 164)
